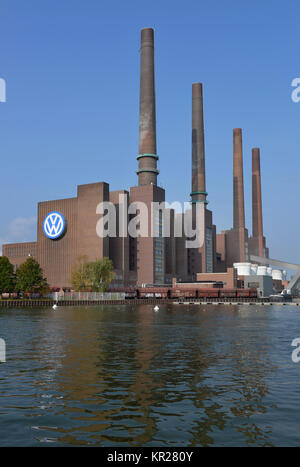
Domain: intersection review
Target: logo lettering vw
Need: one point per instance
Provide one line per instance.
(54, 225)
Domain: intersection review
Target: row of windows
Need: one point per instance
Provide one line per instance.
(209, 253)
(159, 251)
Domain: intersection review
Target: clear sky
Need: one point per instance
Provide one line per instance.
(71, 116)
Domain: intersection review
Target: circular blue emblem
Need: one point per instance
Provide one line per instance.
(54, 225)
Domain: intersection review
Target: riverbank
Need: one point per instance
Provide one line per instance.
(48, 303)
(149, 301)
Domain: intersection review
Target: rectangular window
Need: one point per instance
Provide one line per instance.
(209, 250)
(158, 248)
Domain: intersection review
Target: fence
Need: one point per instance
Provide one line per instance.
(90, 296)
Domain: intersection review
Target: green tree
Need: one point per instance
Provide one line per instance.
(94, 275)
(80, 275)
(7, 279)
(30, 277)
(101, 273)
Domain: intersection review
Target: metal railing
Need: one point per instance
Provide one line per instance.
(89, 296)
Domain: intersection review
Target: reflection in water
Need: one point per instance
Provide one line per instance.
(245, 371)
(251, 364)
(126, 376)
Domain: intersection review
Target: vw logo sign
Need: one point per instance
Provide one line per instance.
(54, 225)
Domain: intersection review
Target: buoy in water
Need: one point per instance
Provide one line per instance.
(156, 308)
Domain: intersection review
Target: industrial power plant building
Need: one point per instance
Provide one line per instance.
(68, 229)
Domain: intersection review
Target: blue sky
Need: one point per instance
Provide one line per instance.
(71, 116)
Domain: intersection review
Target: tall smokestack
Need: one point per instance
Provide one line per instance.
(147, 171)
(257, 221)
(198, 152)
(238, 181)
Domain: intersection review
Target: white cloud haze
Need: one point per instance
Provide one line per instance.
(20, 229)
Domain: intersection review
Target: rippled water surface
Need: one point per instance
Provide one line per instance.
(127, 376)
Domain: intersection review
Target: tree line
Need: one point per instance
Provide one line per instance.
(86, 275)
(29, 277)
